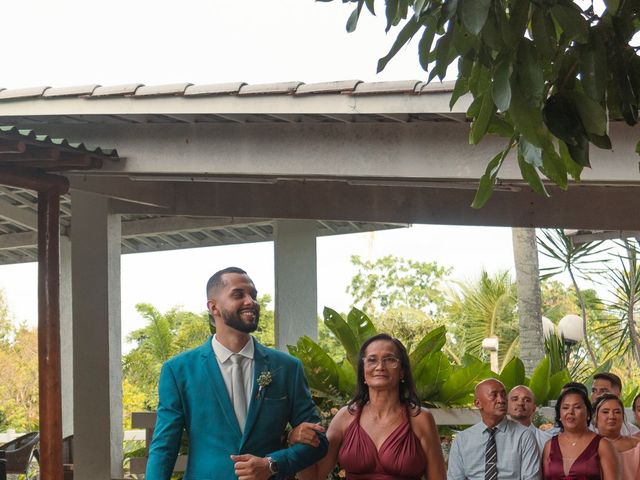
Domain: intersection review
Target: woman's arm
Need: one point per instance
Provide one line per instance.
(424, 427)
(545, 456)
(335, 433)
(609, 461)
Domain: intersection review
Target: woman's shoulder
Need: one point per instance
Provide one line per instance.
(343, 418)
(421, 419)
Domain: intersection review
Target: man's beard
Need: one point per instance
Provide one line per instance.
(234, 321)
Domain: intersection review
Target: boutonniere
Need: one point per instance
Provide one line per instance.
(264, 380)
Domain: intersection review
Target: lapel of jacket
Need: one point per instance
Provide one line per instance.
(218, 387)
(261, 364)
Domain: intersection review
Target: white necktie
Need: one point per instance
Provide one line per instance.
(238, 394)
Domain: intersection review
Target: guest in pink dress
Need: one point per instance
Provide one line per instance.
(382, 433)
(577, 453)
(609, 418)
(635, 406)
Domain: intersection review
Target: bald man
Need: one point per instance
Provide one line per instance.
(495, 448)
(521, 405)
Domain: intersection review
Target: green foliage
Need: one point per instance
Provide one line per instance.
(549, 72)
(482, 309)
(392, 282)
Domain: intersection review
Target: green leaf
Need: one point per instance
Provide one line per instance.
(343, 333)
(501, 86)
(488, 180)
(529, 73)
(571, 21)
(370, 6)
(407, 32)
(612, 6)
(573, 168)
(600, 141)
(424, 46)
(593, 116)
(461, 87)
(490, 32)
(474, 14)
(530, 175)
(444, 55)
(553, 166)
(512, 374)
(346, 378)
(501, 127)
(352, 23)
(518, 21)
(391, 12)
(593, 67)
(556, 383)
(430, 374)
(321, 371)
(543, 33)
(361, 325)
(462, 381)
(539, 383)
(431, 342)
(481, 123)
(527, 119)
(580, 151)
(530, 153)
(449, 9)
(638, 148)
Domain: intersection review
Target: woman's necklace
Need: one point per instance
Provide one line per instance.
(575, 442)
(616, 439)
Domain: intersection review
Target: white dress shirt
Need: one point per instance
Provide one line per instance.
(223, 356)
(542, 436)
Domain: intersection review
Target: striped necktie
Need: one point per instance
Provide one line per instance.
(491, 456)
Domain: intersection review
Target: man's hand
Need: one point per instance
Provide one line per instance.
(305, 433)
(250, 467)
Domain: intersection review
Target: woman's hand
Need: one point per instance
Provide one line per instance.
(305, 433)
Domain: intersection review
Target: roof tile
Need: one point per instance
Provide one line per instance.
(270, 88)
(214, 89)
(402, 86)
(161, 90)
(77, 91)
(116, 90)
(22, 93)
(342, 86)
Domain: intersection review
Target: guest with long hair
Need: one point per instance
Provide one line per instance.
(382, 433)
(577, 453)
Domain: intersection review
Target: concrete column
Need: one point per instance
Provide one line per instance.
(66, 336)
(97, 370)
(296, 285)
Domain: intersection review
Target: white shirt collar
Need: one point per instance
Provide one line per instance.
(223, 353)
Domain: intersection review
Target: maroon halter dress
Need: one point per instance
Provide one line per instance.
(400, 456)
(585, 467)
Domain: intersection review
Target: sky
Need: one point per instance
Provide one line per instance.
(71, 42)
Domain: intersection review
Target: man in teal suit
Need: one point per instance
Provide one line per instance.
(234, 397)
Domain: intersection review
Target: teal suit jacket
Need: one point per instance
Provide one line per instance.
(193, 396)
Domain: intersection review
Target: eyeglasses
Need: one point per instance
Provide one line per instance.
(387, 362)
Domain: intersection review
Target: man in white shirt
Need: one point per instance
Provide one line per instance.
(496, 448)
(521, 407)
(607, 382)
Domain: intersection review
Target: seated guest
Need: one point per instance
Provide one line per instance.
(521, 406)
(607, 382)
(577, 453)
(608, 418)
(495, 448)
(635, 406)
(555, 430)
(382, 433)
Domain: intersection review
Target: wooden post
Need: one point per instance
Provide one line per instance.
(49, 334)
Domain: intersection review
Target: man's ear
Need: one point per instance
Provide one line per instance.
(476, 403)
(212, 307)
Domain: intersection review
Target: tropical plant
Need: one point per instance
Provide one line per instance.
(439, 381)
(544, 75)
(578, 260)
(482, 309)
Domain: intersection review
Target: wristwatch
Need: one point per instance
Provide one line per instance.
(273, 465)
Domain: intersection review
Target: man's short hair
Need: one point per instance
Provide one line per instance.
(215, 282)
(611, 377)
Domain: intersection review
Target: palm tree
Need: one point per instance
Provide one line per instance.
(578, 261)
(482, 309)
(525, 256)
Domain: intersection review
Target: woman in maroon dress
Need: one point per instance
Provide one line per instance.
(577, 453)
(382, 433)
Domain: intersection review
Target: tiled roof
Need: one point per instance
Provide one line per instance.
(348, 87)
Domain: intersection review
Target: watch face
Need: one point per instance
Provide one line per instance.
(273, 466)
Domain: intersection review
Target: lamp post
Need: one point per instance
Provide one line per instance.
(571, 331)
(491, 345)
